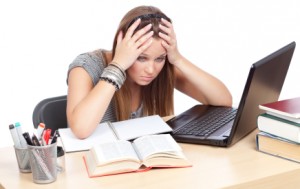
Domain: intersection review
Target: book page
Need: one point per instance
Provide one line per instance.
(296, 120)
(71, 143)
(134, 128)
(114, 151)
(152, 144)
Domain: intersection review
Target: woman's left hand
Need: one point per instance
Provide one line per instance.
(169, 41)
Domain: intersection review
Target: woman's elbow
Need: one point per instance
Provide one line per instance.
(221, 100)
(79, 131)
(226, 100)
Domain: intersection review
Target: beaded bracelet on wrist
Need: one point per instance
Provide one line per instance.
(110, 81)
(114, 74)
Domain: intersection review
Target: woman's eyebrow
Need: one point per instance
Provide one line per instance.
(163, 55)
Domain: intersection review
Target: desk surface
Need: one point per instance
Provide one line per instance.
(239, 166)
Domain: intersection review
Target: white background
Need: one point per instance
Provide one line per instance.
(39, 39)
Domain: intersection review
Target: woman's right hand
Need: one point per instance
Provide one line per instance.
(132, 45)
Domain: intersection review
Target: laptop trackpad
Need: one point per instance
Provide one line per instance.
(223, 131)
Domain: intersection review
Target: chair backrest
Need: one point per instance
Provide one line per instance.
(51, 112)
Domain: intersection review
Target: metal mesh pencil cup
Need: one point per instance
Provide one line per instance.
(22, 156)
(43, 163)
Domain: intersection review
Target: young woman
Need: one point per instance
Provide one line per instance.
(137, 78)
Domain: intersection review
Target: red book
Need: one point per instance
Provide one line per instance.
(288, 107)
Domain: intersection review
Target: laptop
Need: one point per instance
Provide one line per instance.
(224, 126)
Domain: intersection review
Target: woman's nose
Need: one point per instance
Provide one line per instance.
(149, 67)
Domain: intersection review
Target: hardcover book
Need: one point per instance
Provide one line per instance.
(289, 108)
(278, 147)
(279, 127)
(144, 153)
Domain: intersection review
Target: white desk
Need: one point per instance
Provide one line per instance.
(239, 166)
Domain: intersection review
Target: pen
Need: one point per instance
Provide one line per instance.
(20, 133)
(55, 135)
(14, 136)
(27, 138)
(46, 136)
(35, 140)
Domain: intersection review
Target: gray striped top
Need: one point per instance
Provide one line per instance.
(93, 63)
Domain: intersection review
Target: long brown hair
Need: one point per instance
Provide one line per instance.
(157, 97)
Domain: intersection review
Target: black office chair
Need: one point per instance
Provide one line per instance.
(51, 112)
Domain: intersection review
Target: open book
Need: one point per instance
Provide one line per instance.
(112, 131)
(142, 154)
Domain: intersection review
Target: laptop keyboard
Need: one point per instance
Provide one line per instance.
(212, 121)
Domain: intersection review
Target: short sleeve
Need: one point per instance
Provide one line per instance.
(91, 63)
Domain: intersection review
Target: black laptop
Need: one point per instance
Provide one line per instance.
(224, 126)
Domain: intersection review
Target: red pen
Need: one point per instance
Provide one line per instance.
(46, 136)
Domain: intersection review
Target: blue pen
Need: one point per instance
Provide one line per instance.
(20, 135)
(14, 136)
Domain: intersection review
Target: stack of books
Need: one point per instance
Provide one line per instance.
(279, 129)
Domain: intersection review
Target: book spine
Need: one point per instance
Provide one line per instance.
(277, 127)
(111, 126)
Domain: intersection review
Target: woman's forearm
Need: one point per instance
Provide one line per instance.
(86, 107)
(200, 85)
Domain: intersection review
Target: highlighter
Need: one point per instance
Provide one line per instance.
(20, 135)
(39, 130)
(14, 135)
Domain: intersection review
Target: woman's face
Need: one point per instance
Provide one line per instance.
(148, 65)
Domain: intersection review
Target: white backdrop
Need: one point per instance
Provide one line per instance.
(39, 39)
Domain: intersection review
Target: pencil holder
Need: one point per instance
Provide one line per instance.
(43, 161)
(22, 156)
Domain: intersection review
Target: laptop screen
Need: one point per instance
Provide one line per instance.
(264, 84)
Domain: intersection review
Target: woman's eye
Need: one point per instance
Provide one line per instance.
(141, 59)
(161, 59)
